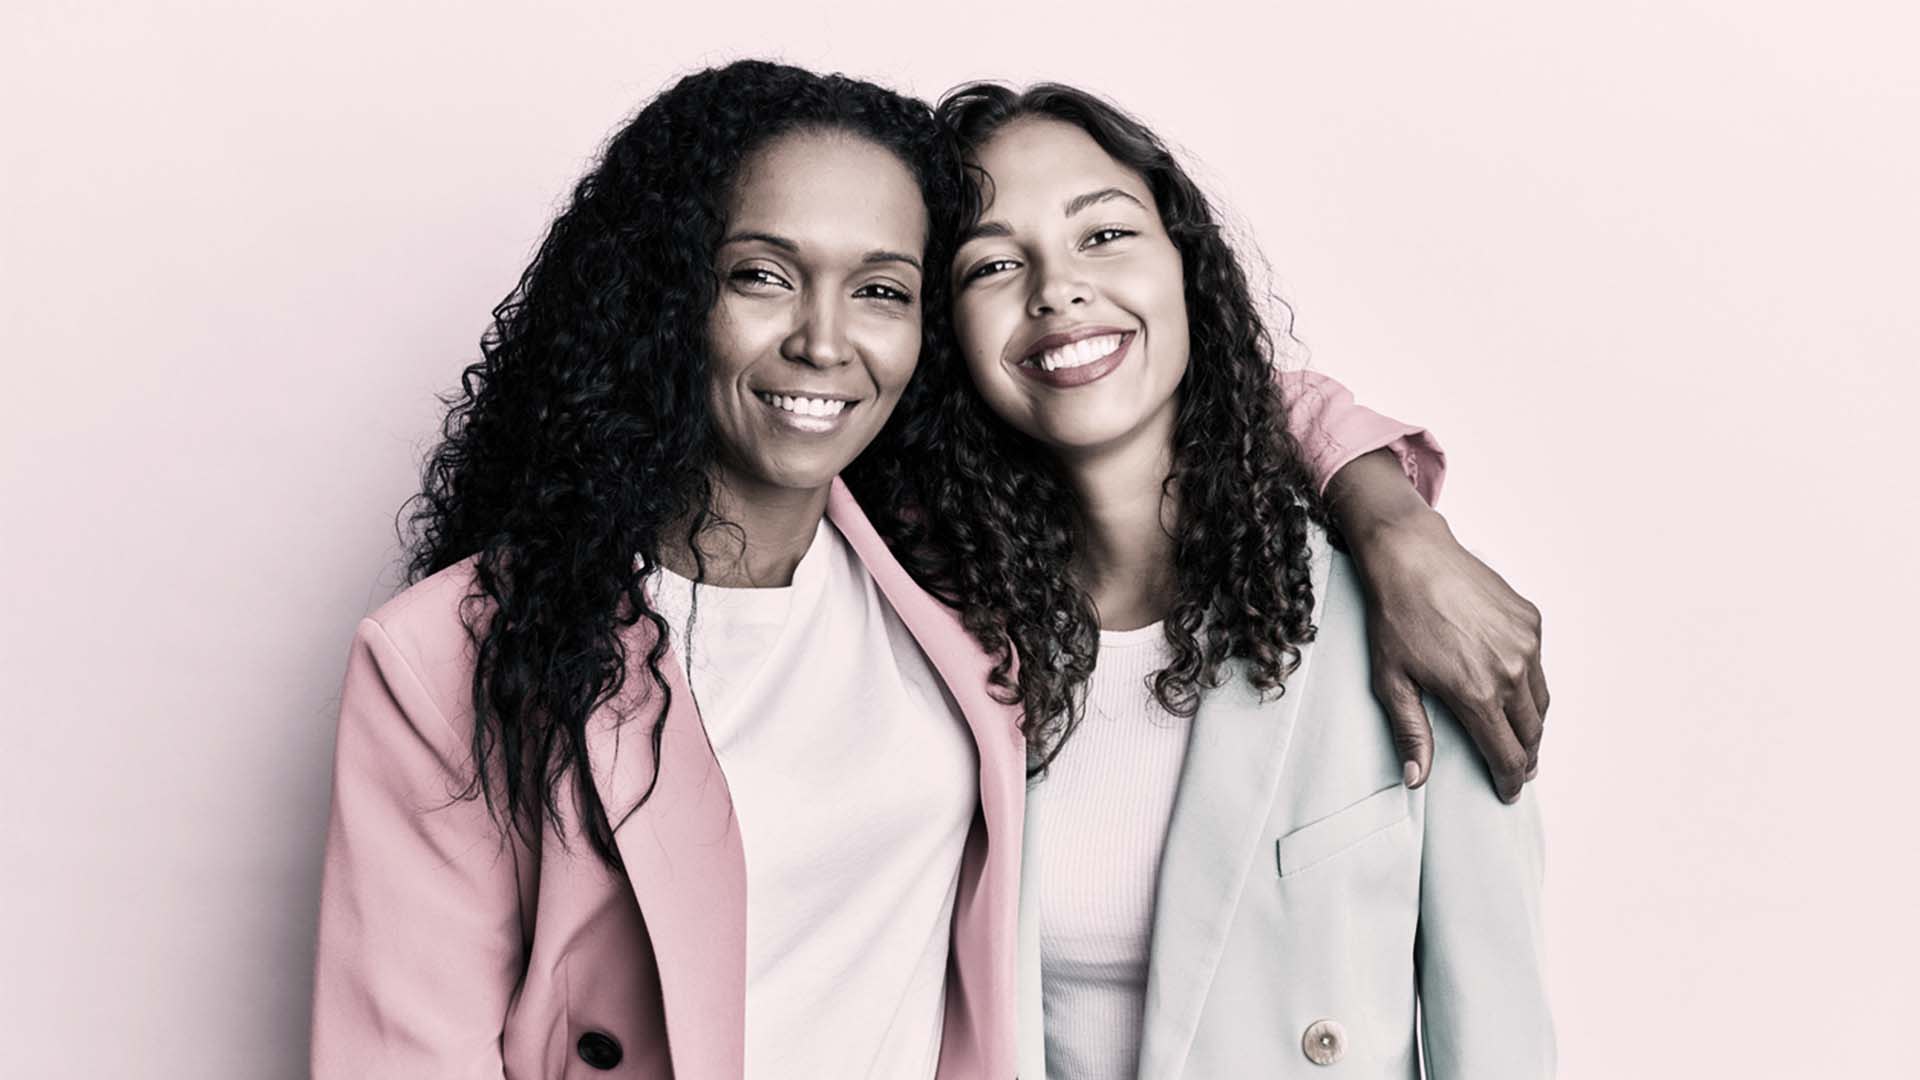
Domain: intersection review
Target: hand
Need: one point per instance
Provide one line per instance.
(1440, 619)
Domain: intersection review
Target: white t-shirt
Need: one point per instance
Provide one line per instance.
(855, 780)
(1100, 818)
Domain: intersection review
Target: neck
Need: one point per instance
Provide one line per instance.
(1124, 554)
(769, 532)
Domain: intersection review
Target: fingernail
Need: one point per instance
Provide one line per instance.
(1533, 772)
(1410, 773)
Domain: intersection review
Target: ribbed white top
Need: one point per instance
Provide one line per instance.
(1101, 817)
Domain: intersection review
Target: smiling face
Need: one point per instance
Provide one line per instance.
(816, 328)
(1069, 301)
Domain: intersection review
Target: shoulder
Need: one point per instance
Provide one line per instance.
(1340, 610)
(1341, 740)
(1340, 687)
(430, 605)
(425, 627)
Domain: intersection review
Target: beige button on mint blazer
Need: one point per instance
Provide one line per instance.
(1313, 915)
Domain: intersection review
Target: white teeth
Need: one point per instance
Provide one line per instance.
(1079, 353)
(805, 406)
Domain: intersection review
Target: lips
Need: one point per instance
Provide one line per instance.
(1076, 358)
(812, 414)
(805, 404)
(1076, 353)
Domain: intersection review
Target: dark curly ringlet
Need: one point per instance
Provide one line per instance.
(999, 530)
(582, 434)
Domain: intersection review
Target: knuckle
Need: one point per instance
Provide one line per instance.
(1397, 692)
(1485, 694)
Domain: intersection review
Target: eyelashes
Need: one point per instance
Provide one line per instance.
(758, 279)
(756, 275)
(1100, 237)
(990, 267)
(882, 291)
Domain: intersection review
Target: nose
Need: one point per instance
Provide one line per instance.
(819, 338)
(1057, 286)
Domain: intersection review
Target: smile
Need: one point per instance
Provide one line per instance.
(1077, 363)
(812, 415)
(1077, 354)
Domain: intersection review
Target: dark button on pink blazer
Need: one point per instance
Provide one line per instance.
(447, 952)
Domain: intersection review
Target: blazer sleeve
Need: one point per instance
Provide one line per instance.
(420, 945)
(1478, 950)
(1333, 429)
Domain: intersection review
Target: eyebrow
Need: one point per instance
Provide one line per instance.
(1081, 202)
(1074, 205)
(748, 237)
(877, 255)
(985, 229)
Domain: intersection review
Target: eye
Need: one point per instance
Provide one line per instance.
(1107, 235)
(756, 278)
(880, 290)
(991, 267)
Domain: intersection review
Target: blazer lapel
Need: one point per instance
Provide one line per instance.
(685, 862)
(958, 658)
(1032, 1025)
(1234, 756)
(986, 911)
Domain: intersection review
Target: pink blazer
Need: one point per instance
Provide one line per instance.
(446, 950)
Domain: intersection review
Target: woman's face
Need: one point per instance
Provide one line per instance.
(816, 329)
(1069, 301)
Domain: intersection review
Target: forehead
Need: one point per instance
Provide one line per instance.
(1039, 159)
(832, 191)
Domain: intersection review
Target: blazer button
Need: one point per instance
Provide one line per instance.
(1325, 1042)
(599, 1050)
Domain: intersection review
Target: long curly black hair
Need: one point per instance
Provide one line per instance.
(994, 527)
(582, 434)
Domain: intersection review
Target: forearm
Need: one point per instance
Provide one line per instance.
(1371, 499)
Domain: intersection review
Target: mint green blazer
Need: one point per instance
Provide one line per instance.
(1313, 917)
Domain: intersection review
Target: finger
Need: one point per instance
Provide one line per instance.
(1537, 688)
(1506, 761)
(1525, 721)
(1537, 684)
(1412, 729)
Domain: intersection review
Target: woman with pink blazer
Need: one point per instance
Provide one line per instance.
(664, 766)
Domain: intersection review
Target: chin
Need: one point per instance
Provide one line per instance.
(802, 479)
(1089, 434)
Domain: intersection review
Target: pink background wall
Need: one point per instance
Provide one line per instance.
(1649, 269)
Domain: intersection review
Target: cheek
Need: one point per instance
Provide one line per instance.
(1156, 287)
(890, 350)
(1160, 295)
(983, 330)
(1179, 337)
(732, 343)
